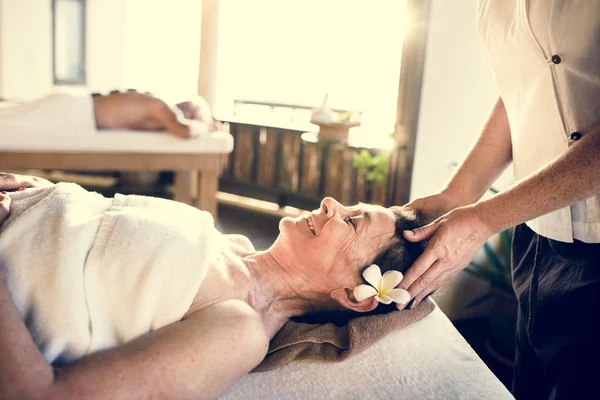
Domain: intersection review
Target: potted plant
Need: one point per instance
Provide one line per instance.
(374, 169)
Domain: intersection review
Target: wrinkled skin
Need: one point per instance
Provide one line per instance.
(329, 260)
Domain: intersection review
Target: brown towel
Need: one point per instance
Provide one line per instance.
(328, 342)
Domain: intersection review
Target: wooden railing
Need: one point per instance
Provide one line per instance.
(292, 168)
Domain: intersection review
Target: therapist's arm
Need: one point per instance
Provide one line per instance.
(458, 235)
(487, 159)
(197, 358)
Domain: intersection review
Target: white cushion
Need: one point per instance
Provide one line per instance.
(426, 360)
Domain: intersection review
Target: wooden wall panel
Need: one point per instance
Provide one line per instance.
(360, 189)
(337, 170)
(311, 170)
(378, 195)
(346, 176)
(267, 157)
(290, 163)
(271, 159)
(227, 166)
(244, 152)
(228, 162)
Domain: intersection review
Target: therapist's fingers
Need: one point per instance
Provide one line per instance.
(11, 182)
(419, 267)
(431, 277)
(435, 285)
(420, 234)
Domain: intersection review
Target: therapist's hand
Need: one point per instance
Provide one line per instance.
(454, 238)
(12, 182)
(434, 206)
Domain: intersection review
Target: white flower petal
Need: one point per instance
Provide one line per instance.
(372, 275)
(363, 292)
(399, 296)
(385, 299)
(390, 280)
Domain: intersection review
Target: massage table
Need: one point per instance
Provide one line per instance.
(197, 162)
(426, 360)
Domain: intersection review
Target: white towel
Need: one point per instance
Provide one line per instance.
(57, 113)
(87, 272)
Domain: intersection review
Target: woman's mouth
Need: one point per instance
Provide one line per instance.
(311, 225)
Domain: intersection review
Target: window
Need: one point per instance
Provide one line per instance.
(297, 51)
(68, 41)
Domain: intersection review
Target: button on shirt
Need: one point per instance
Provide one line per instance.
(545, 55)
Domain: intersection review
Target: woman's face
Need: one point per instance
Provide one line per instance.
(332, 238)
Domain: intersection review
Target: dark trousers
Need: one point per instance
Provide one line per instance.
(558, 324)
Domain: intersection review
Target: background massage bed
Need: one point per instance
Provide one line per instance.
(426, 360)
(197, 162)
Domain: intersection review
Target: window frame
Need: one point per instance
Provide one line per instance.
(82, 76)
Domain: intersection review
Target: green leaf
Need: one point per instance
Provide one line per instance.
(371, 176)
(374, 168)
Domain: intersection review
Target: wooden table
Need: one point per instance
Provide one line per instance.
(196, 175)
(197, 163)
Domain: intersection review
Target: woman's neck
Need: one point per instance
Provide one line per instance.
(270, 287)
(274, 289)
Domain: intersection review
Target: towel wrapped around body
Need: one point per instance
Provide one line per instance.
(88, 272)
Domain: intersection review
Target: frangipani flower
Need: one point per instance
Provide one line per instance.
(382, 287)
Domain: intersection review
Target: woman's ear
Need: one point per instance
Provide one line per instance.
(345, 297)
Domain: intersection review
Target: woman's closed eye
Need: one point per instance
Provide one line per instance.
(351, 221)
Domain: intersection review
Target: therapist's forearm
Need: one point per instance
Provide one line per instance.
(24, 373)
(570, 178)
(487, 159)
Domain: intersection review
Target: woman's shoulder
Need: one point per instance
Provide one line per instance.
(240, 243)
(238, 322)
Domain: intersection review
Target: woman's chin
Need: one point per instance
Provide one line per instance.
(290, 230)
(284, 224)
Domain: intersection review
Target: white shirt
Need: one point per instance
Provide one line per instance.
(545, 55)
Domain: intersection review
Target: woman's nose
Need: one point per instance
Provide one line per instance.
(330, 207)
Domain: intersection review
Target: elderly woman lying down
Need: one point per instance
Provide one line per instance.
(138, 297)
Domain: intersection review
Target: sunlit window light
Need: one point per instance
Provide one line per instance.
(297, 51)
